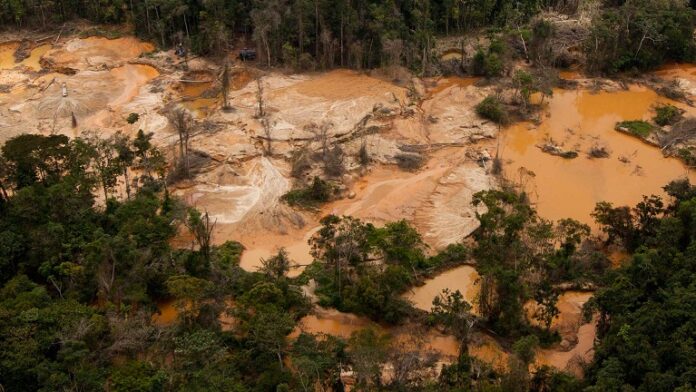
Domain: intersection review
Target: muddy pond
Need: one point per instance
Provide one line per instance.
(580, 120)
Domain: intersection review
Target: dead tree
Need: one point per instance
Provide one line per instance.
(225, 86)
(263, 116)
(182, 122)
(202, 229)
(260, 111)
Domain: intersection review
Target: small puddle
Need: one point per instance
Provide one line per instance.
(201, 106)
(7, 59)
(32, 61)
(464, 279)
(569, 305)
(450, 55)
(332, 322)
(192, 94)
(267, 247)
(445, 83)
(572, 360)
(572, 328)
(167, 313)
(194, 89)
(579, 120)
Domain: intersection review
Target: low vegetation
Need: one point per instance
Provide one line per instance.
(667, 115)
(312, 195)
(492, 109)
(638, 128)
(491, 62)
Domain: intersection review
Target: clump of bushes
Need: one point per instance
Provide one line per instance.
(409, 161)
(492, 109)
(638, 128)
(489, 63)
(666, 115)
(318, 192)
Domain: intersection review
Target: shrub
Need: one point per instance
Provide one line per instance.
(133, 118)
(363, 154)
(478, 63)
(493, 65)
(492, 109)
(489, 63)
(497, 46)
(635, 127)
(409, 161)
(318, 192)
(666, 115)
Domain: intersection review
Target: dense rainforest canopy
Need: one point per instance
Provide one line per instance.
(309, 34)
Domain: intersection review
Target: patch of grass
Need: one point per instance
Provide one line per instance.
(311, 196)
(635, 127)
(492, 109)
(666, 115)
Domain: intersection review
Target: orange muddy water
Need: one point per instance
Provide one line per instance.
(167, 313)
(464, 279)
(7, 59)
(259, 249)
(333, 322)
(579, 120)
(572, 328)
(445, 83)
(677, 70)
(33, 60)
